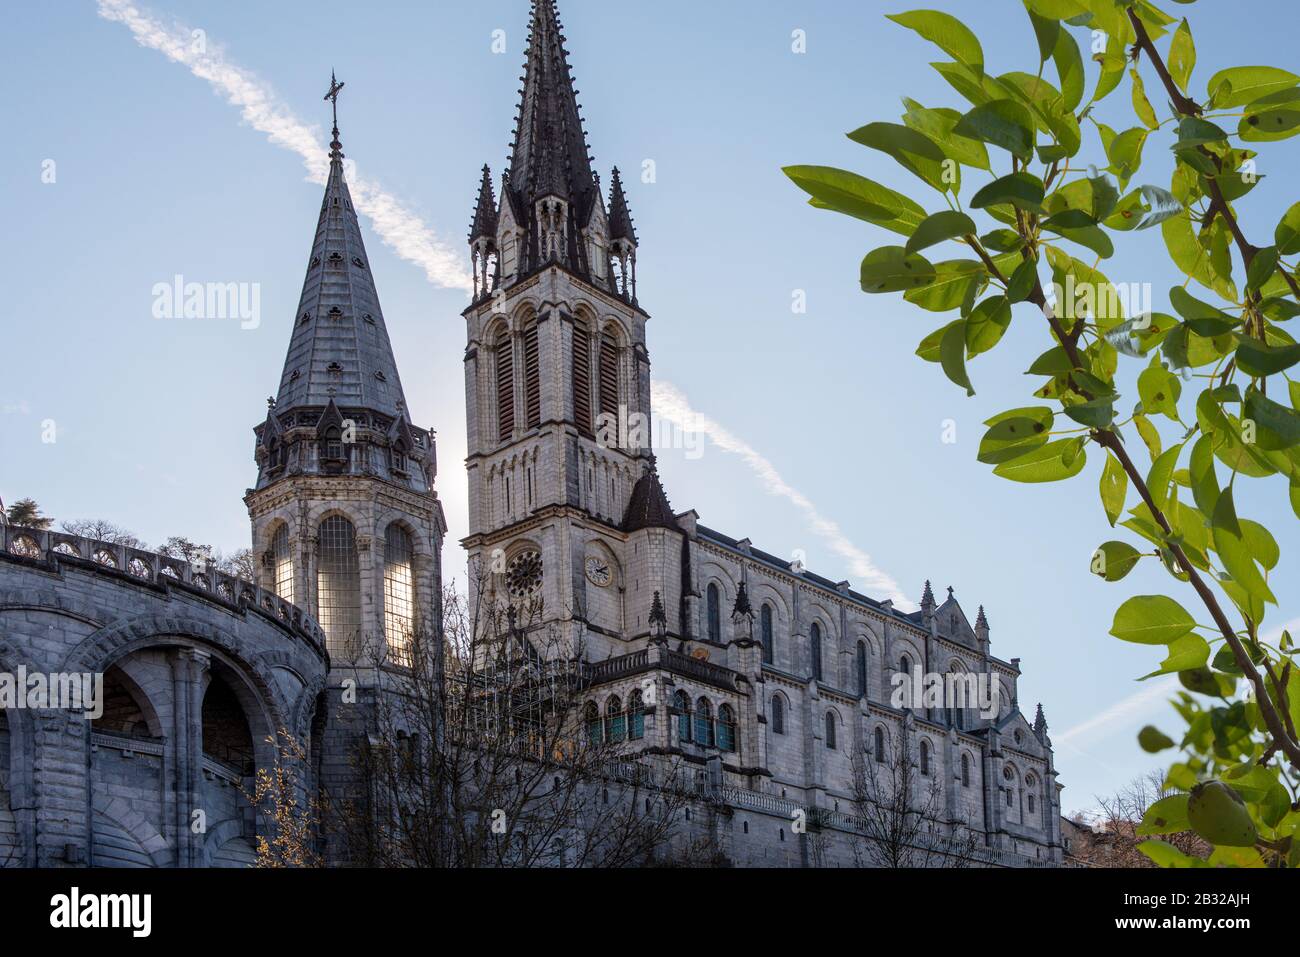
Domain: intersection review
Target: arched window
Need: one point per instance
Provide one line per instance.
(879, 745)
(726, 728)
(682, 705)
(338, 584)
(715, 614)
(635, 717)
(282, 563)
(595, 730)
(609, 374)
(1030, 799)
(504, 359)
(905, 669)
(765, 634)
(704, 722)
(815, 650)
(965, 771)
(925, 757)
(862, 668)
(615, 720)
(830, 730)
(582, 381)
(532, 379)
(778, 714)
(399, 593)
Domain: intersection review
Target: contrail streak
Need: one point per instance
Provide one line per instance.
(399, 228)
(669, 402)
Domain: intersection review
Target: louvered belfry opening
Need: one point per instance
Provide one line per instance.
(582, 381)
(608, 374)
(505, 364)
(532, 379)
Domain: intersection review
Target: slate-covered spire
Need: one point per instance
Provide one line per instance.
(339, 350)
(484, 225)
(648, 506)
(550, 154)
(620, 218)
(927, 601)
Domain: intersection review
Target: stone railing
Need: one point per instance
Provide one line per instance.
(701, 670)
(613, 669)
(203, 581)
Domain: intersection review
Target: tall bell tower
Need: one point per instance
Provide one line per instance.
(346, 521)
(557, 376)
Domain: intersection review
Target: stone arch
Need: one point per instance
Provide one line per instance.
(121, 679)
(123, 837)
(227, 846)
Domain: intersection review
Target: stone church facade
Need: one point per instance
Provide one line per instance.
(767, 680)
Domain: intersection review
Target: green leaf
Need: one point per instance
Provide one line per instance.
(1188, 652)
(1114, 489)
(986, 324)
(1205, 483)
(1267, 125)
(954, 285)
(938, 124)
(939, 227)
(891, 269)
(1182, 56)
(947, 33)
(952, 356)
(1230, 542)
(1023, 190)
(1166, 855)
(1021, 284)
(1007, 124)
(857, 196)
(1052, 462)
(1151, 620)
(1149, 435)
(913, 151)
(1287, 233)
(1095, 413)
(1189, 256)
(1277, 427)
(1168, 815)
(1159, 390)
(1069, 69)
(1047, 31)
(1257, 359)
(1194, 131)
(1261, 268)
(1113, 560)
(1125, 153)
(1244, 84)
(1014, 433)
(1141, 105)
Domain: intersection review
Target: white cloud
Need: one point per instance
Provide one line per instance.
(399, 228)
(1121, 712)
(670, 403)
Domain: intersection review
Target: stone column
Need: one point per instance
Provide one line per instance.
(189, 668)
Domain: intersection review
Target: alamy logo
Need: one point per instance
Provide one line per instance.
(60, 691)
(956, 689)
(179, 299)
(74, 910)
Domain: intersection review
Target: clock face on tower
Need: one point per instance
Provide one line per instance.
(524, 574)
(598, 572)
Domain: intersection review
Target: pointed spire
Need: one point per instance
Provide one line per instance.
(339, 350)
(484, 225)
(1040, 722)
(927, 599)
(658, 618)
(620, 219)
(648, 506)
(980, 620)
(550, 154)
(742, 608)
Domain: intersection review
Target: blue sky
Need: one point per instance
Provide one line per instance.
(158, 175)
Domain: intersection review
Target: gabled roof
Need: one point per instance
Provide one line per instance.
(339, 349)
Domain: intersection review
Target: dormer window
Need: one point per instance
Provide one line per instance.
(358, 262)
(397, 459)
(332, 447)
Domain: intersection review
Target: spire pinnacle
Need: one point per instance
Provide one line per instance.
(484, 225)
(742, 609)
(620, 218)
(981, 621)
(1040, 721)
(336, 147)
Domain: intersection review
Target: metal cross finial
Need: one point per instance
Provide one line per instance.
(333, 96)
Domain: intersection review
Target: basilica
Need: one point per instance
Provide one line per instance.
(774, 684)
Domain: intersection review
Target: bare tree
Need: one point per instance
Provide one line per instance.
(479, 753)
(102, 531)
(901, 818)
(238, 564)
(290, 815)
